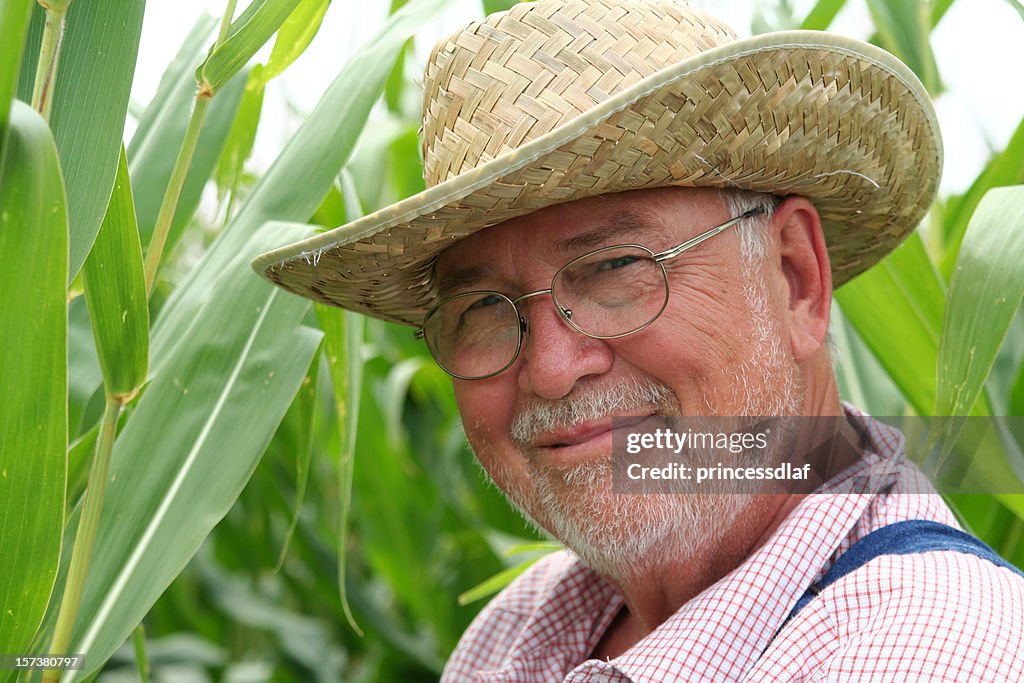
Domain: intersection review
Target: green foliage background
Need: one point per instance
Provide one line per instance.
(289, 495)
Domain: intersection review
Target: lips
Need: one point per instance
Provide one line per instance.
(585, 432)
(573, 436)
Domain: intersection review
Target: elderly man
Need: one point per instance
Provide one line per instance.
(632, 214)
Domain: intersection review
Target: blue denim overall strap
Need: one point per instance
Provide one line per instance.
(902, 538)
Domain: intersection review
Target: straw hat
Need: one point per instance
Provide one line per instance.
(558, 100)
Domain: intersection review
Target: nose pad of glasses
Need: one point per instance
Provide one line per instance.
(524, 324)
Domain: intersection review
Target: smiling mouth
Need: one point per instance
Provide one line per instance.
(575, 436)
(585, 433)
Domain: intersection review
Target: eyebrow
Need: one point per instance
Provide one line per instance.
(464, 277)
(625, 224)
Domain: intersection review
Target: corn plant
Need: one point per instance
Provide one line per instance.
(202, 476)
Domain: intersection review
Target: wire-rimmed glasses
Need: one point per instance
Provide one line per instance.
(607, 293)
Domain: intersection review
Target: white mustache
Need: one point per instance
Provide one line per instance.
(588, 405)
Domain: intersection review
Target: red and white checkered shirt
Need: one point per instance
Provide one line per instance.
(935, 616)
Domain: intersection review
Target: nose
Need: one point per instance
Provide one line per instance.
(554, 356)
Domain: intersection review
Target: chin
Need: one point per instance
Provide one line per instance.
(621, 535)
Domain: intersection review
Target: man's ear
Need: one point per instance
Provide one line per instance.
(807, 274)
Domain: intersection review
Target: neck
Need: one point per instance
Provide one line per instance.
(653, 594)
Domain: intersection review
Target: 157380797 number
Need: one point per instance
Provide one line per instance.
(51, 662)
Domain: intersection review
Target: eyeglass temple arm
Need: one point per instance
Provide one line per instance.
(694, 241)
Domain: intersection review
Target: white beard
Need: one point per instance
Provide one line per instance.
(621, 535)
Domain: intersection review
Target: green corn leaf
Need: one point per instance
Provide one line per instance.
(177, 87)
(80, 454)
(984, 295)
(294, 37)
(223, 111)
(30, 53)
(1007, 168)
(398, 504)
(904, 29)
(239, 142)
(298, 180)
(896, 308)
(1017, 5)
(994, 522)
(492, 6)
(191, 444)
(153, 150)
(822, 14)
(393, 397)
(304, 408)
(532, 547)
(90, 102)
(139, 554)
(344, 335)
(939, 9)
(398, 84)
(496, 582)
(84, 376)
(305, 640)
(115, 290)
(141, 657)
(1016, 403)
(860, 377)
(332, 206)
(33, 375)
(292, 40)
(1015, 503)
(406, 166)
(14, 18)
(343, 338)
(370, 172)
(245, 37)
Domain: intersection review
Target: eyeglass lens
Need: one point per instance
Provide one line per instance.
(474, 334)
(608, 293)
(611, 292)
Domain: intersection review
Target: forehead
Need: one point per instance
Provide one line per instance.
(655, 218)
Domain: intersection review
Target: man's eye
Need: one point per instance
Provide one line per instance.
(489, 300)
(615, 263)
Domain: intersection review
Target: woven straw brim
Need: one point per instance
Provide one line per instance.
(805, 113)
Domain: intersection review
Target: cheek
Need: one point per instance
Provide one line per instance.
(692, 347)
(487, 408)
(708, 330)
(711, 318)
